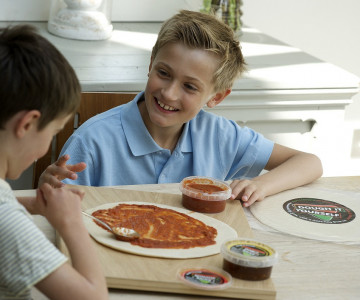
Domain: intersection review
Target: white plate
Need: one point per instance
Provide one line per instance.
(106, 238)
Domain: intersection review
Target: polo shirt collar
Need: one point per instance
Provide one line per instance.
(138, 137)
(184, 144)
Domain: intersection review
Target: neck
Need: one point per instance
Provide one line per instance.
(165, 137)
(166, 140)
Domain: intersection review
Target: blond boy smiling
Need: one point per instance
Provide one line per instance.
(164, 135)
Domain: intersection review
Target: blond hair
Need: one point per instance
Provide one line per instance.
(202, 31)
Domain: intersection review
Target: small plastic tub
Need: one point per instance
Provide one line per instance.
(204, 194)
(248, 259)
(206, 278)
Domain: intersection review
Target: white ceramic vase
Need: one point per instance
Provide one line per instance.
(80, 19)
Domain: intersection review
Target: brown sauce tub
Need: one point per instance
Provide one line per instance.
(248, 259)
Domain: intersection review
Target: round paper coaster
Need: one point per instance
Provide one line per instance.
(209, 278)
(320, 214)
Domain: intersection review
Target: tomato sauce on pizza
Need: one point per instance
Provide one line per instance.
(159, 227)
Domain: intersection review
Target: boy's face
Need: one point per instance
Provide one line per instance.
(33, 145)
(180, 83)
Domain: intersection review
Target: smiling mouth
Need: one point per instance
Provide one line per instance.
(165, 106)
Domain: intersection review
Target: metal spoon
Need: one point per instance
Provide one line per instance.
(121, 233)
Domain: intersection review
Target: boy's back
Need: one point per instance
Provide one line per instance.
(39, 92)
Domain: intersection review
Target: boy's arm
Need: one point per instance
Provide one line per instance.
(288, 168)
(59, 170)
(29, 203)
(84, 279)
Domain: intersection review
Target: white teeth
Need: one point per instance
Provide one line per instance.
(164, 106)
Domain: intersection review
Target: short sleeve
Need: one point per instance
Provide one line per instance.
(249, 150)
(232, 151)
(80, 151)
(27, 256)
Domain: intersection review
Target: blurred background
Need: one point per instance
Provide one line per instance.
(328, 30)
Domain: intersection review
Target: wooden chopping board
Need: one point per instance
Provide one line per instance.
(128, 271)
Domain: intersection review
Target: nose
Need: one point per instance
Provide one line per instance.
(171, 91)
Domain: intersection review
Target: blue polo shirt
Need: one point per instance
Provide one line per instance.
(119, 150)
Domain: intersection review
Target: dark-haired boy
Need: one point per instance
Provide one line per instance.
(39, 92)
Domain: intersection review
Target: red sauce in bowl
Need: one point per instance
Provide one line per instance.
(204, 194)
(205, 188)
(204, 206)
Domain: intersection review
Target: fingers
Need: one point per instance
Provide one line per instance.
(47, 194)
(58, 171)
(54, 171)
(238, 188)
(248, 200)
(78, 192)
(79, 167)
(44, 190)
(41, 201)
(61, 162)
(71, 170)
(48, 177)
(247, 191)
(60, 202)
(61, 170)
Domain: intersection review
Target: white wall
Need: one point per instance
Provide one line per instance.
(124, 11)
(327, 29)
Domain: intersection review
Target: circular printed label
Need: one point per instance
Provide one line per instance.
(319, 211)
(204, 277)
(250, 250)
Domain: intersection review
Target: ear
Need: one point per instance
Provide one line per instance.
(26, 121)
(217, 98)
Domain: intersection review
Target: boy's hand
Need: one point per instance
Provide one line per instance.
(59, 170)
(248, 191)
(61, 206)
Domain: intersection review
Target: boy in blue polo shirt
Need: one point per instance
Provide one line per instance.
(163, 135)
(39, 92)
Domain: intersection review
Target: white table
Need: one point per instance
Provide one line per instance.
(307, 269)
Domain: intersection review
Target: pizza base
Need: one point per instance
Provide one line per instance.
(271, 213)
(106, 238)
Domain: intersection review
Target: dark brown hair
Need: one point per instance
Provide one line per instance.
(34, 75)
(202, 31)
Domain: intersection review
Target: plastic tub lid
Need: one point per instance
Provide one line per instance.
(208, 278)
(248, 253)
(188, 190)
